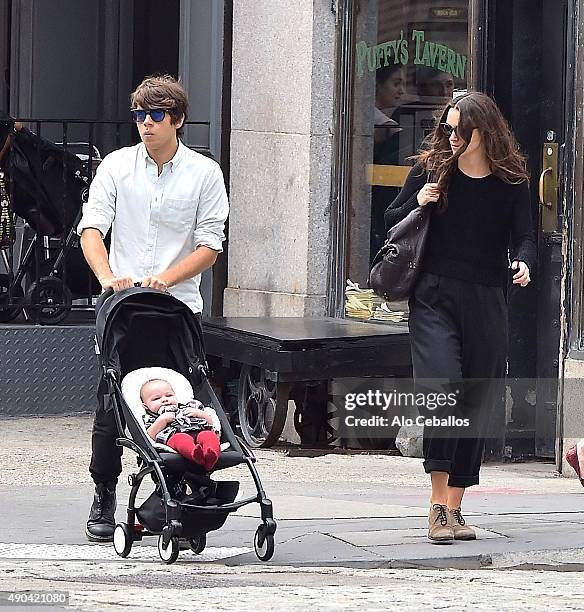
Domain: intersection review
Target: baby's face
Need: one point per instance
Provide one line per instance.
(156, 394)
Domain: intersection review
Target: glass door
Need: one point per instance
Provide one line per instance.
(409, 59)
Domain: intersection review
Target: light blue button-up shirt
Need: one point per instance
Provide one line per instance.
(157, 220)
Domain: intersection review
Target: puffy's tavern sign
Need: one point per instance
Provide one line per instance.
(424, 53)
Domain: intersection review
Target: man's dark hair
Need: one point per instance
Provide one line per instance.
(162, 91)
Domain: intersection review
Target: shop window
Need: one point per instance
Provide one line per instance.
(409, 59)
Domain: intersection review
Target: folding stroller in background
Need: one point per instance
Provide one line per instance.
(144, 328)
(47, 186)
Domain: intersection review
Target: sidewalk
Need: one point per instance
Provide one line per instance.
(360, 511)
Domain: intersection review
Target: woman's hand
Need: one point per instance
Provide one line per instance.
(521, 277)
(428, 193)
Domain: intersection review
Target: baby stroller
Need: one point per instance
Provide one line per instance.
(140, 328)
(47, 186)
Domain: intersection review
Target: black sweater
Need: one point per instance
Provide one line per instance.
(470, 240)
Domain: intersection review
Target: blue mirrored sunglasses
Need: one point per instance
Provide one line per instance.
(157, 114)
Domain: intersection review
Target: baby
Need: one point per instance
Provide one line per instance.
(191, 430)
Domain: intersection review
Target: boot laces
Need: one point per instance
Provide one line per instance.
(458, 517)
(442, 516)
(104, 499)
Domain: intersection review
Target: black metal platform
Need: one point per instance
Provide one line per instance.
(306, 349)
(53, 370)
(273, 356)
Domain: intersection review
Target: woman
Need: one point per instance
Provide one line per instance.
(390, 85)
(476, 181)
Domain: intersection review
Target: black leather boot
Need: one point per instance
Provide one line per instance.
(101, 522)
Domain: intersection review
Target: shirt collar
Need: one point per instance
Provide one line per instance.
(172, 163)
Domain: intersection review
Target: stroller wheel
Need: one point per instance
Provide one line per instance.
(198, 544)
(123, 539)
(170, 553)
(7, 313)
(49, 300)
(263, 544)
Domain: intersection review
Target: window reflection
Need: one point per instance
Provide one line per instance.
(410, 58)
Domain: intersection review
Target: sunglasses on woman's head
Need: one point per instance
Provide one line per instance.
(156, 114)
(447, 130)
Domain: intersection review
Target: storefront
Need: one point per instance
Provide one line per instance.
(398, 63)
(323, 119)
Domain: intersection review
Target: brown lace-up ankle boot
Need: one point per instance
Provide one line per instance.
(439, 527)
(462, 531)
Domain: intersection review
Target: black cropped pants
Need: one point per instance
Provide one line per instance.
(458, 333)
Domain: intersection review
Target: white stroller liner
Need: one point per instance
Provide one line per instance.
(133, 382)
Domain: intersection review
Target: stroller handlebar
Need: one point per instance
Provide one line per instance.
(107, 293)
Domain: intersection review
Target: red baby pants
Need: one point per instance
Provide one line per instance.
(202, 448)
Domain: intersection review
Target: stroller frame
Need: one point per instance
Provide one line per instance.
(48, 298)
(157, 464)
(48, 313)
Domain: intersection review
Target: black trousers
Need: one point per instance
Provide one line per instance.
(458, 333)
(106, 456)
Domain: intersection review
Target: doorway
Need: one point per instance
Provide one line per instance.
(156, 37)
(528, 81)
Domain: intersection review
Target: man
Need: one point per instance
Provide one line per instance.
(166, 206)
(434, 86)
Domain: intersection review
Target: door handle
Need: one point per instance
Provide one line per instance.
(542, 187)
(548, 188)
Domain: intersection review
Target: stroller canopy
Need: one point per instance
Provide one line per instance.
(144, 327)
(47, 183)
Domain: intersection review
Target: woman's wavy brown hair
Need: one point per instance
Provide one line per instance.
(478, 111)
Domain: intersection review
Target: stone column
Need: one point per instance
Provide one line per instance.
(281, 146)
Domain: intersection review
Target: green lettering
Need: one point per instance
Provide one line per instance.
(393, 45)
(433, 52)
(371, 59)
(404, 54)
(426, 54)
(441, 57)
(378, 56)
(361, 56)
(451, 64)
(418, 36)
(460, 65)
(386, 53)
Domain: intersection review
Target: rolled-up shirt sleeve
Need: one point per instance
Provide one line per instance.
(100, 209)
(212, 212)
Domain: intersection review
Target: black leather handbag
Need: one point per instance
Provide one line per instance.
(396, 266)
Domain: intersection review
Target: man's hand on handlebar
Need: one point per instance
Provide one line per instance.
(117, 283)
(155, 282)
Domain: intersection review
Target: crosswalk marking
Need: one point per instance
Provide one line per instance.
(103, 552)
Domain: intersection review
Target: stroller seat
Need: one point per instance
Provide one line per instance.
(131, 385)
(136, 328)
